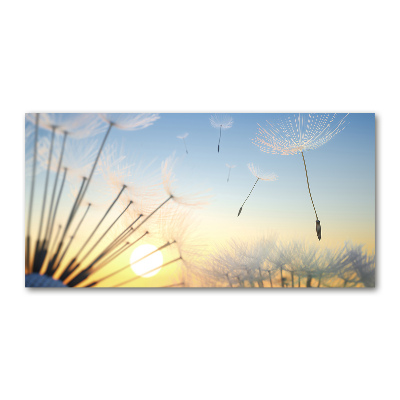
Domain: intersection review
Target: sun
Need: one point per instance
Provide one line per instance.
(149, 263)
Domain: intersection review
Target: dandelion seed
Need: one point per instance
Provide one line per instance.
(78, 126)
(229, 173)
(260, 175)
(130, 122)
(142, 185)
(221, 122)
(188, 199)
(292, 134)
(183, 137)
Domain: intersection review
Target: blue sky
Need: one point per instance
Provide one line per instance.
(341, 174)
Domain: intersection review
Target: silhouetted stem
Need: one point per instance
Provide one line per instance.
(93, 169)
(104, 263)
(105, 233)
(309, 279)
(82, 275)
(54, 260)
(270, 279)
(240, 210)
(309, 191)
(56, 206)
(55, 240)
(185, 146)
(121, 237)
(73, 237)
(46, 243)
(46, 182)
(135, 262)
(46, 236)
(148, 272)
(100, 222)
(128, 231)
(27, 250)
(219, 141)
(113, 256)
(260, 282)
(38, 255)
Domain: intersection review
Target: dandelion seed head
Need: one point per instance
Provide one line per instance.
(76, 125)
(130, 122)
(223, 121)
(259, 174)
(293, 133)
(230, 166)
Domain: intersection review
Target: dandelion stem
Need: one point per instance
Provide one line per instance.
(151, 214)
(270, 278)
(47, 181)
(240, 210)
(37, 264)
(56, 206)
(46, 243)
(60, 244)
(125, 234)
(148, 272)
(309, 191)
(82, 275)
(121, 237)
(104, 234)
(220, 132)
(229, 174)
(27, 250)
(93, 169)
(71, 239)
(46, 236)
(100, 222)
(74, 234)
(135, 262)
(114, 255)
(185, 146)
(90, 270)
(55, 240)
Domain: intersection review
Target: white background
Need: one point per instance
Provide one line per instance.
(220, 56)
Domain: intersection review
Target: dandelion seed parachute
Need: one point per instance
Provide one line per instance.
(221, 122)
(260, 175)
(131, 122)
(183, 137)
(188, 199)
(77, 125)
(295, 133)
(229, 173)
